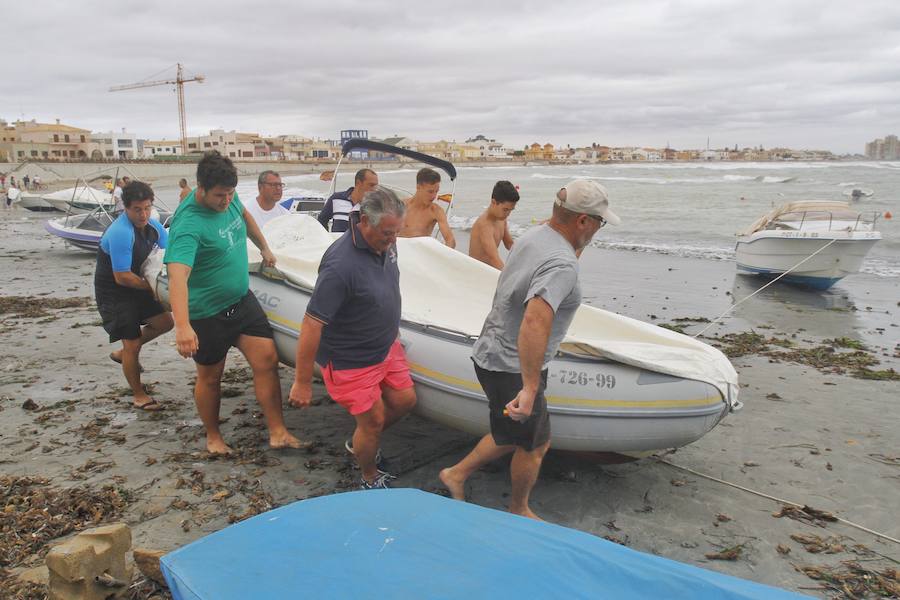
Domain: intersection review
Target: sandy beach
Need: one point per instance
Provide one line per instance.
(819, 426)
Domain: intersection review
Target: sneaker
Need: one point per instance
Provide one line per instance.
(381, 482)
(380, 463)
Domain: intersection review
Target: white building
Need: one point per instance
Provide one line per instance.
(162, 148)
(119, 145)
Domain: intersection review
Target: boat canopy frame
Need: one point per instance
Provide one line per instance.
(367, 144)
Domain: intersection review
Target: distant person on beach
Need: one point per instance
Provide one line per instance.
(2, 181)
(25, 181)
(266, 205)
(36, 182)
(117, 195)
(536, 298)
(184, 189)
(213, 306)
(339, 206)
(491, 227)
(124, 298)
(351, 330)
(422, 213)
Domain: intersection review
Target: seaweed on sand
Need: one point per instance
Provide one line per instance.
(32, 307)
(853, 580)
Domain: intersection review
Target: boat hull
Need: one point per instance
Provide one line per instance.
(772, 253)
(34, 202)
(595, 405)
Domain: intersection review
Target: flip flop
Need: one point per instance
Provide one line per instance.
(112, 357)
(152, 406)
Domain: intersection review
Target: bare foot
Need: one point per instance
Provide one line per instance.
(218, 447)
(527, 513)
(286, 440)
(456, 487)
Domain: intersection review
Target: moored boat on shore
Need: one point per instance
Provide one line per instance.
(816, 243)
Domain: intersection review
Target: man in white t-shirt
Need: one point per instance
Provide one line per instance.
(117, 195)
(266, 206)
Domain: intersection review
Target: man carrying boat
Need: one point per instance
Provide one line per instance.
(350, 329)
(266, 205)
(491, 227)
(213, 306)
(536, 298)
(422, 214)
(124, 298)
(338, 207)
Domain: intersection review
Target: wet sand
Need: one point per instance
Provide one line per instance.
(813, 437)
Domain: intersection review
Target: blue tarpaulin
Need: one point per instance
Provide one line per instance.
(405, 543)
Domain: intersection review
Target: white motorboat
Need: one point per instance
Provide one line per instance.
(816, 243)
(80, 199)
(32, 201)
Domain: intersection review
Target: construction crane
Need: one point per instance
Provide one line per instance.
(178, 82)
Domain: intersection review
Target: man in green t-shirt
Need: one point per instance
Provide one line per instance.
(213, 307)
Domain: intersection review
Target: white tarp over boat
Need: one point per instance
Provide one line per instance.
(448, 289)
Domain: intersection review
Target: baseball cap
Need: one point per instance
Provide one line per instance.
(587, 197)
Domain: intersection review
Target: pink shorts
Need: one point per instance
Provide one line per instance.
(358, 389)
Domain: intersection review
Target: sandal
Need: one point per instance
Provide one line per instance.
(151, 406)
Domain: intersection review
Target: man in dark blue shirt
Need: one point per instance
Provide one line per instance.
(339, 206)
(351, 329)
(124, 298)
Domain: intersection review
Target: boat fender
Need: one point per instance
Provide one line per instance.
(888, 215)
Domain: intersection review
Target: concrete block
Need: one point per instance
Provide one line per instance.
(91, 565)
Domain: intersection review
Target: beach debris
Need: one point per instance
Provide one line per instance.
(616, 540)
(33, 307)
(894, 461)
(90, 565)
(751, 463)
(677, 482)
(816, 544)
(30, 405)
(34, 513)
(723, 518)
(854, 580)
(783, 549)
(90, 467)
(807, 514)
(731, 553)
(147, 562)
(773, 396)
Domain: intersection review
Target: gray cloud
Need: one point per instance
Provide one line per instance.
(801, 73)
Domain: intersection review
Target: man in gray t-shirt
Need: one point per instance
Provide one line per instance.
(536, 298)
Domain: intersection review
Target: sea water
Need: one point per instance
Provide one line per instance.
(683, 209)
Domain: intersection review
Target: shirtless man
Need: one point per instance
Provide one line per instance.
(421, 211)
(491, 227)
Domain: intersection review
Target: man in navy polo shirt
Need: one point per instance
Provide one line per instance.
(351, 326)
(339, 206)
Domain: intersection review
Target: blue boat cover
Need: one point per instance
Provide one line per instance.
(405, 543)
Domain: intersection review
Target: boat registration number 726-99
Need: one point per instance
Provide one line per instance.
(583, 378)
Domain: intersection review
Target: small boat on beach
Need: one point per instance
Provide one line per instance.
(80, 199)
(406, 543)
(817, 243)
(33, 202)
(617, 384)
(84, 230)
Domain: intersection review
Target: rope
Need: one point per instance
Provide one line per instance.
(736, 304)
(776, 499)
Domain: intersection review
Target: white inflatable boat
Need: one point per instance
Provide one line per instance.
(617, 384)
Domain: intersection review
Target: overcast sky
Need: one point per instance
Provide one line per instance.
(797, 73)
